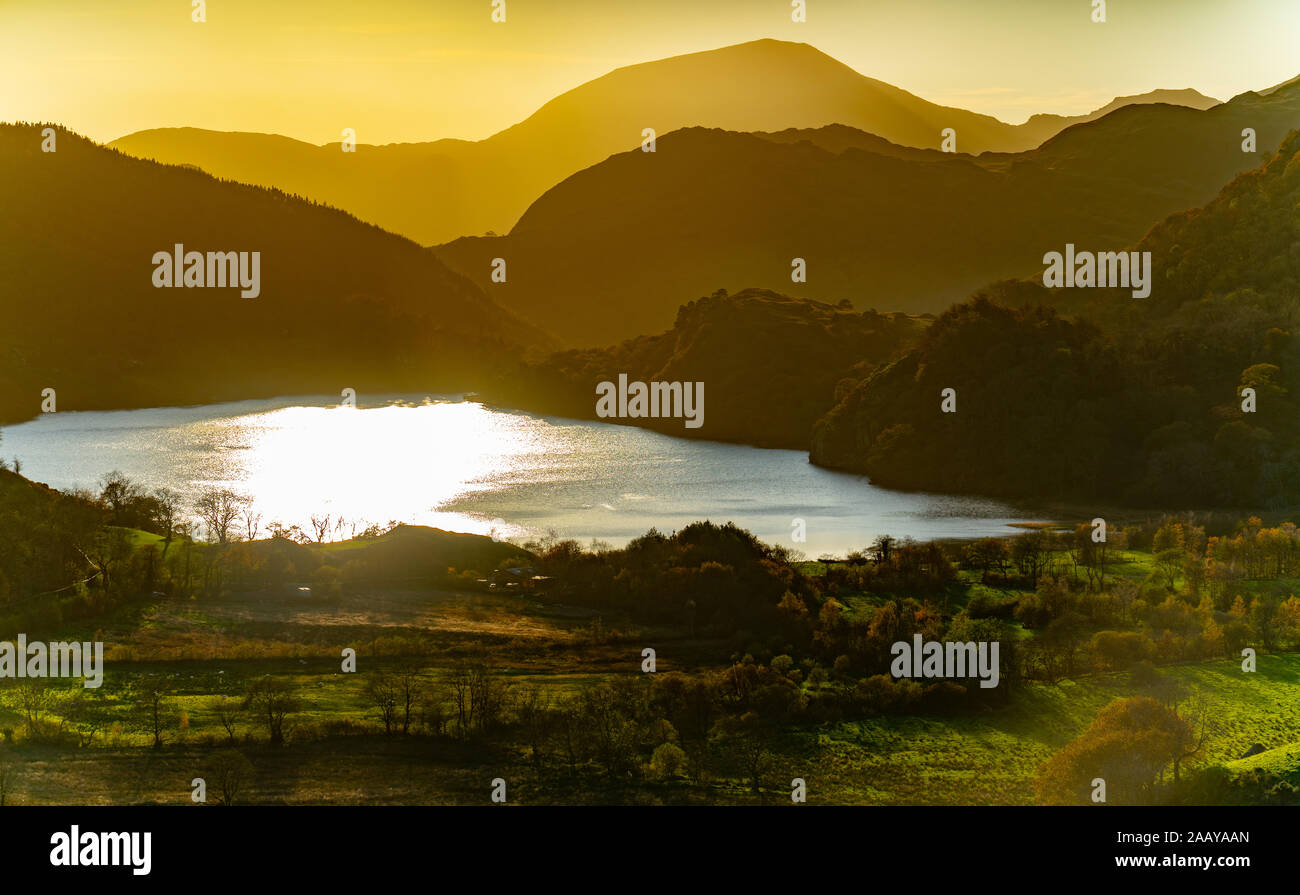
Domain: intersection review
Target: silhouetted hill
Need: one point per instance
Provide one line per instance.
(1137, 400)
(769, 363)
(418, 552)
(883, 226)
(342, 303)
(1192, 99)
(438, 191)
(836, 138)
(420, 190)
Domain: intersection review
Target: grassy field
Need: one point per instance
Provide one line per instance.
(992, 759)
(336, 753)
(209, 649)
(206, 652)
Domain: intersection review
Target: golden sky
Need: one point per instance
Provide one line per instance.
(406, 70)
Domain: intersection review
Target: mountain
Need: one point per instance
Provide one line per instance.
(342, 304)
(1132, 401)
(434, 192)
(881, 225)
(424, 191)
(769, 363)
(1054, 124)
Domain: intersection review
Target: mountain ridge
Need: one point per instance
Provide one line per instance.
(884, 226)
(473, 187)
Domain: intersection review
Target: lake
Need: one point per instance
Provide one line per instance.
(461, 466)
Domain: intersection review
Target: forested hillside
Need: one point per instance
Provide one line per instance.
(339, 303)
(770, 365)
(1105, 396)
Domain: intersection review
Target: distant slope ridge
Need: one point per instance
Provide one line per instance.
(438, 191)
(878, 224)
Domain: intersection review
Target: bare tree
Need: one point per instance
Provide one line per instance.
(433, 708)
(882, 549)
(273, 701)
(218, 508)
(168, 508)
(534, 710)
(321, 525)
(410, 694)
(152, 706)
(488, 696)
(83, 714)
(230, 771)
(107, 551)
(252, 522)
(36, 697)
(1194, 737)
(459, 683)
(117, 491)
(228, 711)
(185, 528)
(381, 692)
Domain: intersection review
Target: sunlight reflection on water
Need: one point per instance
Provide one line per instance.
(459, 465)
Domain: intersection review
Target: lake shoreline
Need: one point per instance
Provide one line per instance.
(1060, 511)
(460, 464)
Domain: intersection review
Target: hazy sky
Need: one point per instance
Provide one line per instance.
(401, 70)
